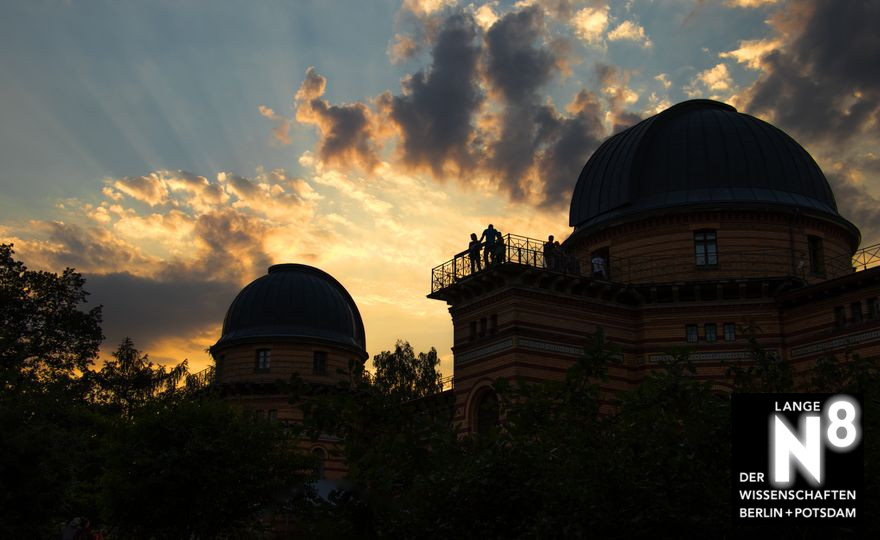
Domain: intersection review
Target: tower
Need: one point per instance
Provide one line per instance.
(295, 319)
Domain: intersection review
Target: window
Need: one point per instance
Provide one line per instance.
(264, 357)
(729, 331)
(272, 415)
(319, 456)
(482, 326)
(473, 330)
(711, 332)
(855, 310)
(839, 317)
(690, 332)
(487, 412)
(873, 308)
(705, 249)
(600, 263)
(319, 363)
(493, 323)
(817, 259)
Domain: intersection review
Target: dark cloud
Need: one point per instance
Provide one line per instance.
(173, 299)
(346, 130)
(234, 243)
(83, 248)
(436, 109)
(573, 140)
(148, 310)
(857, 205)
(823, 86)
(613, 82)
(519, 63)
(824, 83)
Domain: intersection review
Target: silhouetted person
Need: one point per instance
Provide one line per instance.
(489, 236)
(598, 266)
(558, 257)
(548, 252)
(498, 250)
(474, 253)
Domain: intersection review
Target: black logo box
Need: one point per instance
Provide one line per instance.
(751, 453)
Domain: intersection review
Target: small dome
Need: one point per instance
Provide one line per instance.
(294, 302)
(698, 152)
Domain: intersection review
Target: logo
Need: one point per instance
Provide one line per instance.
(797, 458)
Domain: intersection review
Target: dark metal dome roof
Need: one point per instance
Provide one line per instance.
(698, 152)
(294, 302)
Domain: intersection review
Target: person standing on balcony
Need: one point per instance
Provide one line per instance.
(474, 254)
(598, 266)
(498, 250)
(548, 252)
(488, 250)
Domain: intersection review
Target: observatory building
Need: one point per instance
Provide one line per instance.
(295, 319)
(699, 227)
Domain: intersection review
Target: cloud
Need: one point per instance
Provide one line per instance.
(574, 140)
(822, 82)
(590, 24)
(630, 31)
(281, 132)
(346, 130)
(664, 80)
(614, 83)
(149, 189)
(434, 113)
(426, 7)
(819, 81)
(751, 52)
(149, 310)
(519, 64)
(485, 16)
(712, 81)
(750, 3)
(855, 201)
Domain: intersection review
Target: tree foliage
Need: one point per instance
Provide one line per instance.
(127, 446)
(130, 380)
(568, 460)
(404, 375)
(44, 336)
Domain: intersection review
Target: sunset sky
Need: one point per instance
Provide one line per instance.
(172, 150)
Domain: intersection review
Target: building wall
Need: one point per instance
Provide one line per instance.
(750, 244)
(255, 390)
(534, 329)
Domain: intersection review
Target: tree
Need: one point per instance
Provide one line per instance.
(406, 376)
(44, 336)
(195, 467)
(131, 380)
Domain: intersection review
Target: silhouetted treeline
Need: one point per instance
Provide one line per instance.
(658, 466)
(127, 447)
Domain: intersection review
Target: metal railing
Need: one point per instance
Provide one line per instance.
(656, 269)
(201, 379)
(867, 257)
(514, 249)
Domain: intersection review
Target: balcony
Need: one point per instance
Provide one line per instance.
(519, 250)
(752, 264)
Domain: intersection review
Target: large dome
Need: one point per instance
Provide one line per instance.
(698, 153)
(294, 302)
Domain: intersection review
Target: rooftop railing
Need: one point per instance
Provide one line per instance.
(201, 379)
(514, 249)
(654, 269)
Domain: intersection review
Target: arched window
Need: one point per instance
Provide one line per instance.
(487, 412)
(319, 455)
